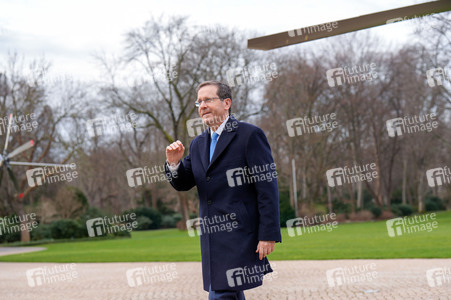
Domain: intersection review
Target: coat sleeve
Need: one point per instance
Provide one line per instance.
(181, 179)
(258, 156)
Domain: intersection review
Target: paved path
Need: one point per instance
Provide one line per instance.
(17, 250)
(351, 279)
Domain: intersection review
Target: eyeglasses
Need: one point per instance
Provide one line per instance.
(206, 101)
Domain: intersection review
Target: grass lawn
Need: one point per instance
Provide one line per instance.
(368, 240)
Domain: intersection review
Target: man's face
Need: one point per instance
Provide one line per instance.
(215, 112)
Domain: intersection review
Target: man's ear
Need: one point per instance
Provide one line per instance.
(229, 103)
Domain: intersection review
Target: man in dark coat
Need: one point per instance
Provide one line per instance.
(232, 166)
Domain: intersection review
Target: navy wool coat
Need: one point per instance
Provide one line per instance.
(238, 203)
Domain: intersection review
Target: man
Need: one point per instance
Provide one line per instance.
(232, 166)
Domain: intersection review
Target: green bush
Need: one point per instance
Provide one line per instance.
(433, 203)
(376, 211)
(9, 234)
(402, 210)
(121, 233)
(340, 207)
(92, 213)
(168, 222)
(144, 223)
(177, 217)
(67, 229)
(148, 212)
(42, 232)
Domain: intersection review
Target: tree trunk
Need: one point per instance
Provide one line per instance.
(404, 180)
(24, 234)
(329, 199)
(183, 210)
(420, 193)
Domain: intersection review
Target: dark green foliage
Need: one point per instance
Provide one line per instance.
(433, 203)
(402, 210)
(144, 223)
(150, 213)
(376, 211)
(67, 229)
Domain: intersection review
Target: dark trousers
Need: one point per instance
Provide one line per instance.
(225, 295)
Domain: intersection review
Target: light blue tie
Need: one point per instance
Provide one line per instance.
(214, 140)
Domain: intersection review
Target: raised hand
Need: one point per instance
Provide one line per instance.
(174, 152)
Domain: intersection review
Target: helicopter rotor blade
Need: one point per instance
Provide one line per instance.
(21, 149)
(8, 132)
(33, 164)
(1, 175)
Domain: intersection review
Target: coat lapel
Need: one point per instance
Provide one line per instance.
(227, 135)
(204, 145)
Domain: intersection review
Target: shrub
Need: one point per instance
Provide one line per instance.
(153, 215)
(121, 233)
(67, 229)
(376, 211)
(9, 234)
(92, 213)
(433, 203)
(177, 217)
(341, 207)
(144, 223)
(168, 222)
(42, 232)
(402, 209)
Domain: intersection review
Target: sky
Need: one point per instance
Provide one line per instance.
(68, 32)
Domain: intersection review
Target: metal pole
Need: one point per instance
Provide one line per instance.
(295, 194)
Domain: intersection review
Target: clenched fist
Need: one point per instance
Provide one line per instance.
(174, 152)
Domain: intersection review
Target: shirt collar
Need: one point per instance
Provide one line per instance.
(220, 128)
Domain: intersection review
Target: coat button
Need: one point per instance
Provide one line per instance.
(208, 178)
(209, 202)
